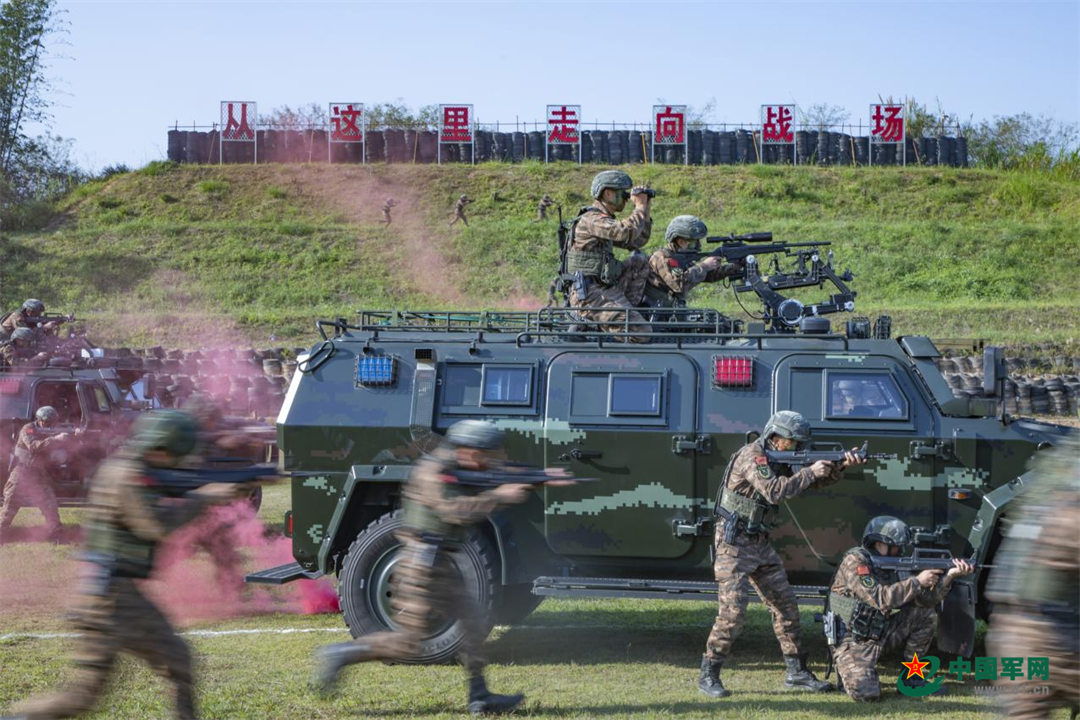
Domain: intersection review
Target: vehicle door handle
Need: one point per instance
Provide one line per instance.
(582, 454)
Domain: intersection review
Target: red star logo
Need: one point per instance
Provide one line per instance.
(915, 667)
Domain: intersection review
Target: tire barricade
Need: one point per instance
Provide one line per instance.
(1046, 386)
(604, 147)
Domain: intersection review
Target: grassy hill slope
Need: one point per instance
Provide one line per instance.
(191, 255)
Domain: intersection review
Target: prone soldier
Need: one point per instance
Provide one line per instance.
(1035, 586)
(669, 283)
(877, 612)
(542, 206)
(459, 211)
(607, 290)
(438, 511)
(387, 206)
(126, 522)
(747, 509)
(29, 484)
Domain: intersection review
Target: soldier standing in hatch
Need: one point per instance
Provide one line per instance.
(751, 491)
(438, 513)
(126, 522)
(459, 211)
(599, 280)
(862, 596)
(29, 484)
(387, 206)
(1035, 587)
(670, 282)
(542, 206)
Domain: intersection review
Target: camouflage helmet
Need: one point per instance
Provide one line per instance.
(475, 434)
(886, 529)
(46, 414)
(33, 305)
(610, 179)
(686, 226)
(173, 431)
(23, 333)
(463, 197)
(787, 424)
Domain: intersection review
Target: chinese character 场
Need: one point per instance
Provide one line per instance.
(777, 125)
(563, 122)
(456, 124)
(888, 124)
(238, 130)
(960, 667)
(1038, 667)
(986, 668)
(670, 127)
(345, 123)
(1012, 668)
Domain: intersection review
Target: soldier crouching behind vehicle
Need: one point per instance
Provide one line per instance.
(607, 290)
(129, 516)
(750, 492)
(862, 595)
(438, 513)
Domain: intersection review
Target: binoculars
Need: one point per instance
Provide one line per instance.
(649, 192)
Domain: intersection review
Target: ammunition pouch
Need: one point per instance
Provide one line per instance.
(598, 264)
(743, 514)
(863, 621)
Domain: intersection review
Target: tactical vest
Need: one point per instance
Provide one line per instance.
(755, 514)
(862, 620)
(598, 264)
(126, 554)
(424, 520)
(660, 298)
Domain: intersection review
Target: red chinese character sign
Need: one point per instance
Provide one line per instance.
(563, 127)
(777, 127)
(237, 124)
(347, 125)
(669, 127)
(887, 126)
(455, 126)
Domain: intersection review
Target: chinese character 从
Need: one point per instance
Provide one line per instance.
(888, 123)
(456, 125)
(670, 127)
(986, 668)
(960, 667)
(345, 122)
(777, 125)
(238, 130)
(1038, 667)
(1012, 668)
(563, 122)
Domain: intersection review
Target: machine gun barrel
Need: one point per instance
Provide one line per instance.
(804, 458)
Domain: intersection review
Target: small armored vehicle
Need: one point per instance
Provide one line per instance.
(655, 423)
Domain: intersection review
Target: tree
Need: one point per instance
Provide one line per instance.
(304, 117)
(822, 116)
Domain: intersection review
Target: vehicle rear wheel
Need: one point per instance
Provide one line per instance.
(365, 585)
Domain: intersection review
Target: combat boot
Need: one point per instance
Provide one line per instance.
(483, 702)
(708, 681)
(330, 659)
(799, 676)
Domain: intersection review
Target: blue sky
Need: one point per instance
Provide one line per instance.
(135, 68)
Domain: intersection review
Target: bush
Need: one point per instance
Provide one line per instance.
(159, 167)
(215, 188)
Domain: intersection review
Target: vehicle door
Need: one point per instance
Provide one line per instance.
(850, 399)
(621, 421)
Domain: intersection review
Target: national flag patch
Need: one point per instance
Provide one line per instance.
(863, 570)
(761, 460)
(672, 262)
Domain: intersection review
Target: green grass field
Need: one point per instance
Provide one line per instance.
(194, 255)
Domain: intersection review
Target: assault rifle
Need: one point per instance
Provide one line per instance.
(182, 480)
(510, 474)
(921, 558)
(805, 458)
(45, 319)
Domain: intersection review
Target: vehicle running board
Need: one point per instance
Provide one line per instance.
(281, 574)
(657, 589)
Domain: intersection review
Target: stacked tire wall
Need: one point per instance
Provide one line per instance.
(1035, 386)
(602, 147)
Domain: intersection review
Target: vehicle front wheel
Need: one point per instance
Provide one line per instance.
(365, 586)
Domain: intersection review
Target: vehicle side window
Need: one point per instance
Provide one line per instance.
(617, 398)
(101, 399)
(486, 389)
(865, 396)
(507, 385)
(461, 386)
(635, 395)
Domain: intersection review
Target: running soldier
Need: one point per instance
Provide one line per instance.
(542, 206)
(459, 211)
(126, 523)
(670, 282)
(387, 206)
(29, 484)
(437, 515)
(1036, 587)
(751, 491)
(599, 280)
(878, 612)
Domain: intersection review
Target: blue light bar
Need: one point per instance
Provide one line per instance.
(376, 371)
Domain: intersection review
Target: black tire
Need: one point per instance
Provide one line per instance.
(254, 498)
(364, 585)
(517, 603)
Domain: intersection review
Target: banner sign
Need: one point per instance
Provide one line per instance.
(347, 125)
(456, 126)
(563, 127)
(887, 127)
(669, 127)
(777, 128)
(238, 124)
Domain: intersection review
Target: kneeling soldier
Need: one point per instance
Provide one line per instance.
(751, 490)
(878, 611)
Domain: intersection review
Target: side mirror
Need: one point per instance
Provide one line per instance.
(149, 386)
(994, 371)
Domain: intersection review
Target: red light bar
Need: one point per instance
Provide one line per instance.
(10, 386)
(733, 371)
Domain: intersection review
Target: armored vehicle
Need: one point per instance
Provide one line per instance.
(655, 423)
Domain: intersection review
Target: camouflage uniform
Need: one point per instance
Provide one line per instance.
(28, 485)
(1036, 588)
(126, 523)
(390, 203)
(669, 284)
(751, 558)
(902, 609)
(459, 210)
(597, 231)
(541, 208)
